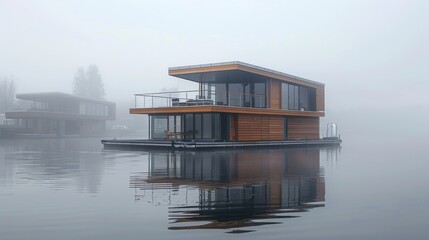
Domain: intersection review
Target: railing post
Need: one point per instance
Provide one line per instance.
(152, 100)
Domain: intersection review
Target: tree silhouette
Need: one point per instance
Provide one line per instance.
(7, 94)
(88, 83)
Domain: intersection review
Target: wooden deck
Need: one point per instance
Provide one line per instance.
(136, 144)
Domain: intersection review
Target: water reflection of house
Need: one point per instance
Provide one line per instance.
(62, 114)
(230, 189)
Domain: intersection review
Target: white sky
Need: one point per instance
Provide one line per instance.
(366, 52)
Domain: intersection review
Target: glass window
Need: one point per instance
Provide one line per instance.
(189, 126)
(291, 97)
(198, 127)
(259, 95)
(178, 127)
(247, 96)
(171, 124)
(296, 100)
(311, 99)
(298, 97)
(217, 127)
(207, 125)
(219, 92)
(285, 96)
(303, 98)
(158, 127)
(235, 91)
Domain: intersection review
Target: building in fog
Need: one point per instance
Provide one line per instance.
(61, 114)
(235, 102)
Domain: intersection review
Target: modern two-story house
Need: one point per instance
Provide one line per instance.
(235, 102)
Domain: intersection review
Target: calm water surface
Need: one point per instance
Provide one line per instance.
(72, 189)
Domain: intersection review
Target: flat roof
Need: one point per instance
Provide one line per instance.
(208, 72)
(57, 96)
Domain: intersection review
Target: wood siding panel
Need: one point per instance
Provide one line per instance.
(303, 128)
(274, 94)
(320, 98)
(178, 72)
(249, 127)
(276, 128)
(259, 127)
(265, 128)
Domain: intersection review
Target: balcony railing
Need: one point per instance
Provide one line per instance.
(199, 98)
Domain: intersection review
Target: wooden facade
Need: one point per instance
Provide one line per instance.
(259, 127)
(272, 122)
(303, 128)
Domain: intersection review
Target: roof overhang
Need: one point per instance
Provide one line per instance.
(57, 97)
(54, 115)
(234, 71)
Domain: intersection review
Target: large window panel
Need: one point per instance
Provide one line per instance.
(198, 127)
(298, 97)
(218, 93)
(189, 126)
(158, 127)
(217, 126)
(291, 97)
(207, 125)
(178, 126)
(285, 95)
(303, 98)
(171, 123)
(259, 95)
(247, 95)
(312, 99)
(296, 100)
(235, 92)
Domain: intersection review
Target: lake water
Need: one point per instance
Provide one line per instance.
(73, 189)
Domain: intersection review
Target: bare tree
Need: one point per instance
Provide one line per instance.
(88, 83)
(7, 94)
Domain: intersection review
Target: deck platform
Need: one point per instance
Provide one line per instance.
(137, 144)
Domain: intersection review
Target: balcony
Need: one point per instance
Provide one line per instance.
(199, 98)
(203, 101)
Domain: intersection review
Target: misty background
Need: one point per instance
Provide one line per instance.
(373, 56)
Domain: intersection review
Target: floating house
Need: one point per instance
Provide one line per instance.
(235, 102)
(57, 113)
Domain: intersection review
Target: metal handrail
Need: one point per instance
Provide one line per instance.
(205, 97)
(197, 91)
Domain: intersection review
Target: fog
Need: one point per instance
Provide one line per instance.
(373, 56)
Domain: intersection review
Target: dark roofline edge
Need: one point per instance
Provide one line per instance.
(68, 95)
(246, 65)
